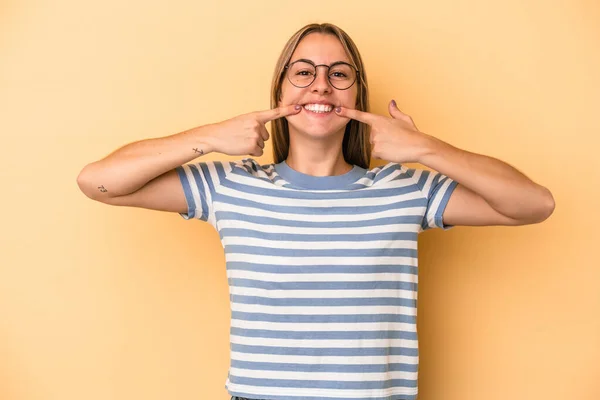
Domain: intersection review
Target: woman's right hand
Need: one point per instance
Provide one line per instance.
(246, 134)
(142, 173)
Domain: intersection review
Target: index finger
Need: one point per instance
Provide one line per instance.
(278, 112)
(358, 115)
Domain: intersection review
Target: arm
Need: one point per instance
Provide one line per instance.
(490, 192)
(142, 173)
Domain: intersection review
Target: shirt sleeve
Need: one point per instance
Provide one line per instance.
(198, 181)
(437, 189)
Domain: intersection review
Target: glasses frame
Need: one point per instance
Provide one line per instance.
(287, 67)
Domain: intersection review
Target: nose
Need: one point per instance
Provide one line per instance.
(321, 84)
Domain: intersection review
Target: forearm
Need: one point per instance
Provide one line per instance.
(503, 187)
(134, 165)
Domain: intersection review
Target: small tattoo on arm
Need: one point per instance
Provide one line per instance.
(102, 189)
(199, 151)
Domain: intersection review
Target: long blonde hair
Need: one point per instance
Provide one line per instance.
(355, 145)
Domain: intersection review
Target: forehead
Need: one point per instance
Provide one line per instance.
(321, 49)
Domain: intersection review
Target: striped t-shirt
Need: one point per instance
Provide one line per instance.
(322, 274)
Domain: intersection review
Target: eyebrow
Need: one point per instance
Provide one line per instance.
(314, 63)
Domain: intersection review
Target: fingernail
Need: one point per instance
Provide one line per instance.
(338, 109)
(298, 106)
(394, 103)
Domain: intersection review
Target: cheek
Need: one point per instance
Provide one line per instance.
(289, 95)
(351, 98)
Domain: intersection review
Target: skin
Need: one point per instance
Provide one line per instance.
(316, 141)
(490, 192)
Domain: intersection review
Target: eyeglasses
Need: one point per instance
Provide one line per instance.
(341, 75)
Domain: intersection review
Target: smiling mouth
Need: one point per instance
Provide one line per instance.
(319, 108)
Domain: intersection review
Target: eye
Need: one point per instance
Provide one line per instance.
(304, 73)
(339, 74)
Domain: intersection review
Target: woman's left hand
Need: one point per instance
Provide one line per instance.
(395, 139)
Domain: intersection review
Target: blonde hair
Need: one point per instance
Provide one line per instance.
(355, 145)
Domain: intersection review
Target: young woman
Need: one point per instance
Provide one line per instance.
(321, 251)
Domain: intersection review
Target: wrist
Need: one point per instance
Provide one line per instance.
(202, 137)
(429, 146)
(434, 150)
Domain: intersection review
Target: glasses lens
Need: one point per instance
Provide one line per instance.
(301, 73)
(342, 76)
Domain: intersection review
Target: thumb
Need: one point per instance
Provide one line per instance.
(394, 111)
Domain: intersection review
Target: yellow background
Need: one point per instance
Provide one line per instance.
(100, 302)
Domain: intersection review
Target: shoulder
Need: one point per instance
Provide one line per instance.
(392, 172)
(403, 175)
(251, 166)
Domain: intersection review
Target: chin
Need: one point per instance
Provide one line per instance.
(317, 131)
(312, 128)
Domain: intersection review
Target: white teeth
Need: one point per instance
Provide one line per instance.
(318, 108)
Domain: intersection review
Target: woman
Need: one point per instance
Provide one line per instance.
(321, 252)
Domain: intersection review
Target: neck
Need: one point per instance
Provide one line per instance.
(317, 157)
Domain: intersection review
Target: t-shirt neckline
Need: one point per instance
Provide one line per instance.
(306, 181)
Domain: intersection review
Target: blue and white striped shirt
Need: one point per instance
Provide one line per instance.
(322, 274)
